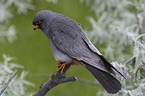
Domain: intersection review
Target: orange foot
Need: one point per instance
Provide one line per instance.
(61, 66)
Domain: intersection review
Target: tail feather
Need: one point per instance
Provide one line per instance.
(112, 69)
(110, 83)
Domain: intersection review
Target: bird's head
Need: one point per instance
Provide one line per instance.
(42, 20)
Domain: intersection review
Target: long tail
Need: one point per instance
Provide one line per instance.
(110, 66)
(110, 83)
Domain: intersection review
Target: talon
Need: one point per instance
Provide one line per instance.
(61, 66)
(59, 63)
(58, 69)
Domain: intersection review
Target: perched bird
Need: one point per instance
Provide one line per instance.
(70, 45)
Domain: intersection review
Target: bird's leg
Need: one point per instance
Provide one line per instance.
(61, 66)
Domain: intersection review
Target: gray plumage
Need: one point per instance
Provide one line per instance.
(68, 41)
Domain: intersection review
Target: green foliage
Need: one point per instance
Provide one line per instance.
(53, 1)
(17, 86)
(118, 27)
(8, 9)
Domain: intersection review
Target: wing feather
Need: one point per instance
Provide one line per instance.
(69, 38)
(66, 38)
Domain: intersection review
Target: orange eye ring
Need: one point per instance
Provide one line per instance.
(37, 25)
(39, 22)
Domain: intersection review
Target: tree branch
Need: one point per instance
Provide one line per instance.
(78, 79)
(7, 83)
(56, 79)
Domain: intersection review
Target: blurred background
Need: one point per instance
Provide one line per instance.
(116, 27)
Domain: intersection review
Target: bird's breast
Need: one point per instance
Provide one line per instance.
(58, 55)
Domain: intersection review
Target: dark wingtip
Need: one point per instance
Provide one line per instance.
(110, 83)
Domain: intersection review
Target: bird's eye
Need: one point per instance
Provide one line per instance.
(39, 22)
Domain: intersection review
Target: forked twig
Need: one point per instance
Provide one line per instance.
(56, 79)
(7, 83)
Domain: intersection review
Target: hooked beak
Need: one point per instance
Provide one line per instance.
(35, 27)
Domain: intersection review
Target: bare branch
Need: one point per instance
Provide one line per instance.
(7, 83)
(56, 79)
(78, 79)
